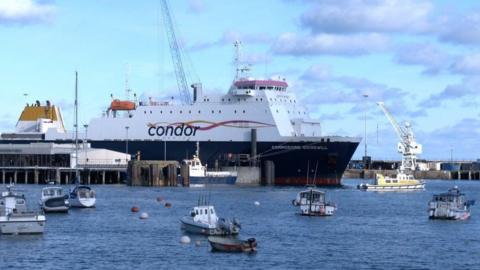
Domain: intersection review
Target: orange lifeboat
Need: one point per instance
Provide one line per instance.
(122, 105)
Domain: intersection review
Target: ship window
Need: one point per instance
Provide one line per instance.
(150, 112)
(211, 211)
(196, 211)
(277, 111)
(387, 181)
(270, 87)
(189, 111)
(261, 99)
(161, 111)
(229, 100)
(145, 112)
(262, 87)
(288, 112)
(243, 111)
(223, 99)
(238, 99)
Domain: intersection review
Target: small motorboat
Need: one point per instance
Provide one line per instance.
(450, 205)
(14, 216)
(229, 244)
(203, 219)
(54, 200)
(312, 203)
(82, 196)
(402, 182)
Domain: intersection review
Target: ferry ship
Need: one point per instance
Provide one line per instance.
(259, 120)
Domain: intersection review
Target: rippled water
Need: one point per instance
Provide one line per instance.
(369, 231)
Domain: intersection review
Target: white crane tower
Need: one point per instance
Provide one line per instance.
(407, 146)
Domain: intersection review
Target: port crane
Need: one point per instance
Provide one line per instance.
(407, 146)
(176, 54)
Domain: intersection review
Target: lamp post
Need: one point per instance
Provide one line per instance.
(126, 141)
(85, 143)
(365, 132)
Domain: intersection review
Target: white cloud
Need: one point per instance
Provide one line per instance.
(328, 44)
(353, 16)
(461, 28)
(425, 55)
(468, 64)
(196, 6)
(25, 11)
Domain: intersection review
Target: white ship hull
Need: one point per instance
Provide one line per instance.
(33, 224)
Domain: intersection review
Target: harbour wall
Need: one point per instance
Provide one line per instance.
(445, 175)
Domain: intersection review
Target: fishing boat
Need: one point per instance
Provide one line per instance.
(312, 203)
(402, 181)
(203, 219)
(199, 175)
(450, 205)
(15, 218)
(229, 244)
(82, 196)
(54, 200)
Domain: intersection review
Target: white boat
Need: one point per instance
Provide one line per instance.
(203, 219)
(199, 176)
(82, 196)
(450, 205)
(14, 216)
(54, 200)
(402, 182)
(312, 203)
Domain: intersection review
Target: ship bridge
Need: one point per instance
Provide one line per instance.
(250, 87)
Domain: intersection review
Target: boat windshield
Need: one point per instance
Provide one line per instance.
(312, 196)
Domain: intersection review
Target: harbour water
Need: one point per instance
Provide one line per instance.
(370, 230)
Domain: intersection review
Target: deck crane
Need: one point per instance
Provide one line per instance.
(407, 146)
(176, 54)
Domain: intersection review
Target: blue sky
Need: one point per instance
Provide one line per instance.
(421, 57)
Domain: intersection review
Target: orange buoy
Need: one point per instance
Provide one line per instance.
(168, 205)
(135, 209)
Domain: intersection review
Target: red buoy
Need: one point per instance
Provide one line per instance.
(168, 205)
(135, 209)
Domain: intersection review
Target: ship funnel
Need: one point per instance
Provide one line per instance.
(197, 91)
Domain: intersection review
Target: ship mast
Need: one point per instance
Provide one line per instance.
(76, 123)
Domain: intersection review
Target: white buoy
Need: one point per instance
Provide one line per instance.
(144, 215)
(185, 239)
(257, 203)
(198, 243)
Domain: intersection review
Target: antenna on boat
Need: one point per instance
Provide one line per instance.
(308, 169)
(315, 175)
(197, 150)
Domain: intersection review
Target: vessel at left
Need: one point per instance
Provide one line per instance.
(15, 218)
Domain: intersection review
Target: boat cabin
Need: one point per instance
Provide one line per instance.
(204, 214)
(452, 196)
(52, 192)
(311, 196)
(11, 202)
(196, 169)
